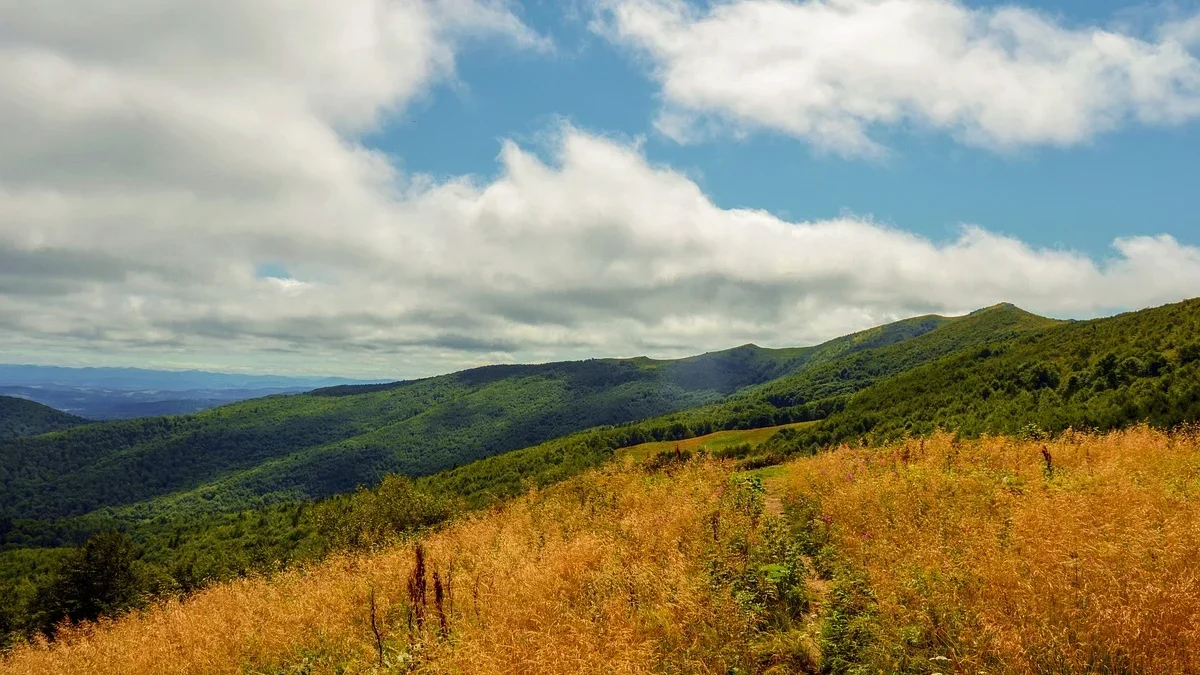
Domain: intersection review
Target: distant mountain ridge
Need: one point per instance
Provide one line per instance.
(124, 393)
(165, 380)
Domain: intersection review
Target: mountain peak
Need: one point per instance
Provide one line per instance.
(999, 306)
(1003, 308)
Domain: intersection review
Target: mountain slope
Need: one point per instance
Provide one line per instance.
(815, 392)
(998, 369)
(1103, 374)
(19, 417)
(331, 440)
(811, 394)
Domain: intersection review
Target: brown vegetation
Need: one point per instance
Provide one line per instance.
(1080, 554)
(1077, 555)
(601, 574)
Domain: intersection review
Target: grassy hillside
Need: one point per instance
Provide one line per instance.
(930, 555)
(996, 370)
(19, 417)
(329, 441)
(718, 442)
(1076, 555)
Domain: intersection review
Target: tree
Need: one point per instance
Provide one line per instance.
(9, 617)
(100, 579)
(372, 517)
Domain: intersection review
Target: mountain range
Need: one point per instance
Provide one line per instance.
(125, 393)
(1002, 363)
(258, 483)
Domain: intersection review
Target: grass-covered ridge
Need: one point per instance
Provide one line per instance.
(727, 443)
(995, 555)
(21, 417)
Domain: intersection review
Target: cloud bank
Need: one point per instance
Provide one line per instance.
(832, 71)
(159, 157)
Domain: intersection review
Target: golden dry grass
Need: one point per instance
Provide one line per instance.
(601, 574)
(975, 553)
(970, 552)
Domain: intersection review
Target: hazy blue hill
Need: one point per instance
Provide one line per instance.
(131, 379)
(19, 417)
(128, 393)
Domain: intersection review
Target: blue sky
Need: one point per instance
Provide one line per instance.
(394, 188)
(1134, 181)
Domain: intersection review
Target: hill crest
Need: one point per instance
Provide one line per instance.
(22, 417)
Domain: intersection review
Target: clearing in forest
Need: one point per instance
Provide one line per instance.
(713, 442)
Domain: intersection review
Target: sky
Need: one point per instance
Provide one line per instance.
(399, 188)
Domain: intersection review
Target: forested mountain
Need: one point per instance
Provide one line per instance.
(227, 491)
(815, 392)
(19, 417)
(997, 370)
(331, 440)
(1101, 374)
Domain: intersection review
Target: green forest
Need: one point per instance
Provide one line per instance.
(19, 417)
(98, 518)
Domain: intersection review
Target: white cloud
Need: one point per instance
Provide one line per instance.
(1184, 31)
(829, 71)
(154, 161)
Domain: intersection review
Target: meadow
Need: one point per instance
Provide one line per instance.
(1071, 555)
(717, 442)
(1000, 555)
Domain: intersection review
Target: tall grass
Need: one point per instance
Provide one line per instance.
(1076, 555)
(605, 573)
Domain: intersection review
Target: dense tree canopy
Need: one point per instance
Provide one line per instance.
(19, 417)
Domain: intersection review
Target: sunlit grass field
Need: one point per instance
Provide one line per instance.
(1077, 555)
(605, 573)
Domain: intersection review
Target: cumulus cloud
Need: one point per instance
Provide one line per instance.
(158, 157)
(830, 71)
